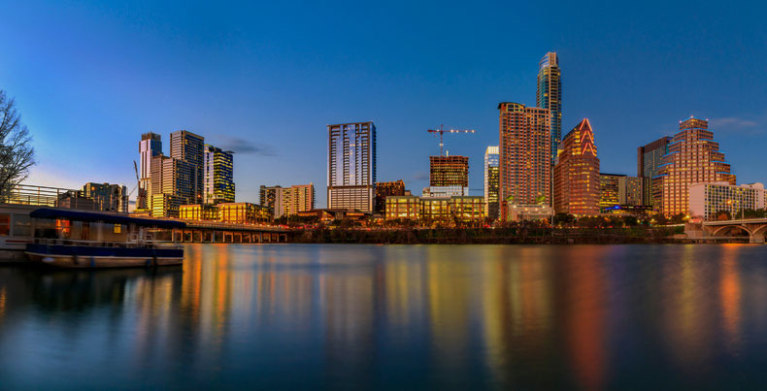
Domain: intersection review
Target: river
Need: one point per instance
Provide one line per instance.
(397, 316)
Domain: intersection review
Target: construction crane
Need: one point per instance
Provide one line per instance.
(441, 131)
(138, 181)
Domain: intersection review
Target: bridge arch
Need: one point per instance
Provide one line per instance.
(719, 230)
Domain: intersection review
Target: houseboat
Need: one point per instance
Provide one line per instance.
(78, 239)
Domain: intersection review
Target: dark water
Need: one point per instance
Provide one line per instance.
(401, 317)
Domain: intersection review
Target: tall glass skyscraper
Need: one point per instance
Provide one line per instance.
(492, 181)
(352, 166)
(189, 147)
(649, 159)
(549, 96)
(219, 175)
(149, 147)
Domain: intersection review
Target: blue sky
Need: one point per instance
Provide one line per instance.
(265, 79)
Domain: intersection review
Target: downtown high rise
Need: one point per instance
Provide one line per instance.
(549, 96)
(649, 160)
(576, 175)
(352, 166)
(218, 175)
(693, 157)
(492, 181)
(525, 155)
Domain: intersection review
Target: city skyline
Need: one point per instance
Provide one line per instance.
(130, 97)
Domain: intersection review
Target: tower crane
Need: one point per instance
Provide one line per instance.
(138, 181)
(441, 131)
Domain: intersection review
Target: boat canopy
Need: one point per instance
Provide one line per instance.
(76, 215)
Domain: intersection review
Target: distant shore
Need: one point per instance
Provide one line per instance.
(517, 235)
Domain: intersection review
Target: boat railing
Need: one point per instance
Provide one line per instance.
(96, 243)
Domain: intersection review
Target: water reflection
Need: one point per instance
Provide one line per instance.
(589, 317)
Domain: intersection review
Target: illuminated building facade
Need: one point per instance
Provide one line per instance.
(460, 208)
(219, 175)
(707, 200)
(649, 159)
(352, 166)
(693, 157)
(166, 205)
(243, 213)
(190, 148)
(492, 181)
(631, 191)
(449, 171)
(149, 147)
(525, 155)
(197, 212)
(402, 207)
(609, 189)
(388, 189)
(549, 96)
(107, 197)
(290, 201)
(576, 174)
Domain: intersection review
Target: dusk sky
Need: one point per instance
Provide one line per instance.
(266, 79)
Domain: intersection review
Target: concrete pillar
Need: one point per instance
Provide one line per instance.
(756, 239)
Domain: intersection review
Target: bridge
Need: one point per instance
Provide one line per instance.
(754, 229)
(217, 232)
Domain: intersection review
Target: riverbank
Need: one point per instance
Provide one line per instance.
(516, 235)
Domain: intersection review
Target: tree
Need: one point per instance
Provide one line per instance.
(16, 153)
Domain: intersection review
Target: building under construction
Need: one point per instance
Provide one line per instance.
(449, 171)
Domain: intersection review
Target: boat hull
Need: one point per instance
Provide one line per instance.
(81, 257)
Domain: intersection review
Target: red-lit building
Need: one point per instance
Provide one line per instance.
(576, 175)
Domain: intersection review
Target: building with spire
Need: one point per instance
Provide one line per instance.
(693, 157)
(576, 174)
(549, 96)
(525, 155)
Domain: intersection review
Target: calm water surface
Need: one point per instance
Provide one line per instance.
(403, 317)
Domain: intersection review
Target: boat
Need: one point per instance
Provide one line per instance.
(68, 238)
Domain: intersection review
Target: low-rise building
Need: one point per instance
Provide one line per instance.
(243, 213)
(402, 207)
(516, 212)
(460, 208)
(707, 200)
(196, 212)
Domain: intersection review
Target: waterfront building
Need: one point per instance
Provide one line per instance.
(190, 148)
(166, 205)
(387, 189)
(519, 213)
(107, 197)
(693, 157)
(290, 201)
(453, 209)
(708, 200)
(267, 196)
(549, 96)
(243, 213)
(444, 191)
(218, 175)
(403, 207)
(449, 171)
(576, 174)
(352, 166)
(648, 165)
(631, 191)
(467, 208)
(609, 189)
(492, 181)
(197, 212)
(525, 160)
(149, 147)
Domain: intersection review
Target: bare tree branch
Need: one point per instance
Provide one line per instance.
(16, 152)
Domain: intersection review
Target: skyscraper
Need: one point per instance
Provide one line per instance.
(525, 159)
(693, 157)
(267, 196)
(549, 96)
(576, 175)
(492, 181)
(149, 147)
(648, 163)
(189, 147)
(352, 166)
(219, 175)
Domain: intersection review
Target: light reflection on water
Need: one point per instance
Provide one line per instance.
(330, 316)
